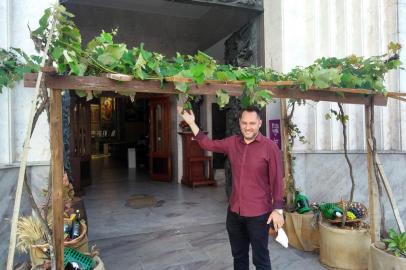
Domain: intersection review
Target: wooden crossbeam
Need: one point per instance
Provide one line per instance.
(93, 83)
(397, 97)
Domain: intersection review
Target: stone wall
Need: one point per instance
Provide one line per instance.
(256, 4)
(8, 183)
(325, 177)
(241, 49)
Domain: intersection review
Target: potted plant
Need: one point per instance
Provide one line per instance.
(345, 246)
(302, 233)
(389, 254)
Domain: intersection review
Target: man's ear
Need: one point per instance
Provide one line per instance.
(260, 123)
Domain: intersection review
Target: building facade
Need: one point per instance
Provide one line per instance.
(287, 33)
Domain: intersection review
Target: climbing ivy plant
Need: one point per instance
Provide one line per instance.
(13, 64)
(103, 55)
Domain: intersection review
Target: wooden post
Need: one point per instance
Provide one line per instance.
(57, 174)
(389, 191)
(285, 143)
(372, 185)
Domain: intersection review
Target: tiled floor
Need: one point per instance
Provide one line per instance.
(187, 231)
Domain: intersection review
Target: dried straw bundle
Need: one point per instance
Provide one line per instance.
(29, 232)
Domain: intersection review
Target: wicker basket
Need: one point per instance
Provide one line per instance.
(81, 243)
(38, 254)
(343, 204)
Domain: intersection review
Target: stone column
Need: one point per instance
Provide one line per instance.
(241, 49)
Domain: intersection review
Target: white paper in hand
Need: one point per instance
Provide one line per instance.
(282, 238)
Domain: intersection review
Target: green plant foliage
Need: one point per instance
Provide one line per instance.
(103, 55)
(396, 243)
(349, 72)
(294, 133)
(222, 98)
(338, 116)
(13, 64)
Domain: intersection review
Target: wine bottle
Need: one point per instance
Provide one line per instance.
(76, 226)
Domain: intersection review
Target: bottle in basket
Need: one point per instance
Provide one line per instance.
(76, 226)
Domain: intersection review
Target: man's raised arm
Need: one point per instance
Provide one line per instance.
(219, 146)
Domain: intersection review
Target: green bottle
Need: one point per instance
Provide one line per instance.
(302, 203)
(330, 210)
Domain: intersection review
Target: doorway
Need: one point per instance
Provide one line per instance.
(132, 134)
(160, 162)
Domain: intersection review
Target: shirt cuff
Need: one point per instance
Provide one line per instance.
(199, 136)
(278, 205)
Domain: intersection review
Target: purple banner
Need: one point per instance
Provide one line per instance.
(275, 131)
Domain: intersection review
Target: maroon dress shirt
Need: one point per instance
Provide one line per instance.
(256, 169)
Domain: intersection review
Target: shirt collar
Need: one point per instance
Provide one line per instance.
(259, 138)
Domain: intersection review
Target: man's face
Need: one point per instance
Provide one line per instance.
(249, 125)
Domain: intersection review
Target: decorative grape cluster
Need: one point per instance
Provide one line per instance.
(358, 209)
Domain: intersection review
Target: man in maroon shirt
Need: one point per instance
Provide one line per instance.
(257, 188)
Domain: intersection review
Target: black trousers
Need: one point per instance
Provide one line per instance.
(243, 231)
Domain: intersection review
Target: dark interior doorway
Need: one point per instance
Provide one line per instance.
(117, 125)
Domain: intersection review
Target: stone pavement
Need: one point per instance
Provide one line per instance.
(185, 231)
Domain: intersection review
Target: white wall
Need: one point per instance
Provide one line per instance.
(15, 104)
(298, 32)
(402, 83)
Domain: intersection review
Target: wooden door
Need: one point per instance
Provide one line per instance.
(80, 145)
(160, 163)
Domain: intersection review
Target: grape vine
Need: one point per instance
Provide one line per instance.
(103, 55)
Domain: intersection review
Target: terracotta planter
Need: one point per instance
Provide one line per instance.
(300, 231)
(381, 260)
(343, 248)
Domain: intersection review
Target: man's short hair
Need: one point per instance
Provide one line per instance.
(250, 108)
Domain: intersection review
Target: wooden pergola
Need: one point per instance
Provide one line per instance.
(282, 90)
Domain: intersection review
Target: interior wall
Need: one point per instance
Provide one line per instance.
(164, 41)
(217, 50)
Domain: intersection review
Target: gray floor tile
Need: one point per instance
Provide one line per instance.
(186, 232)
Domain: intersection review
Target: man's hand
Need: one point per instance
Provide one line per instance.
(188, 116)
(277, 219)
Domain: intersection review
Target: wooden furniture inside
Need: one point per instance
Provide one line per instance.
(197, 168)
(80, 142)
(160, 161)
